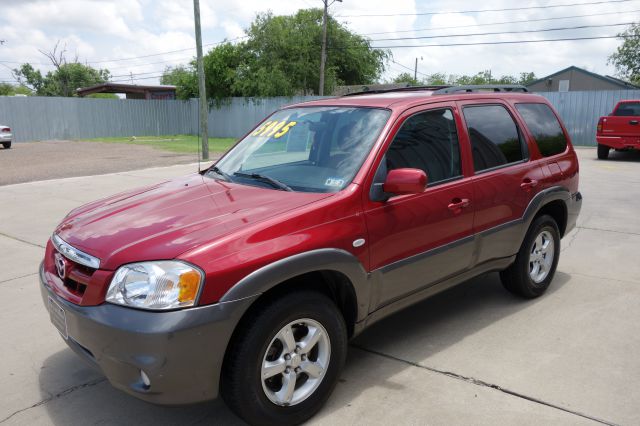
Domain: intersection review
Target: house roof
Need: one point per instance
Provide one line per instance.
(623, 84)
(109, 87)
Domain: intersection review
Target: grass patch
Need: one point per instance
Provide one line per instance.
(173, 143)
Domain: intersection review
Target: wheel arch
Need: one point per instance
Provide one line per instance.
(334, 272)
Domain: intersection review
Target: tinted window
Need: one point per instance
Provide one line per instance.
(495, 140)
(545, 128)
(628, 109)
(427, 141)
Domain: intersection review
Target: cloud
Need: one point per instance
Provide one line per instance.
(109, 30)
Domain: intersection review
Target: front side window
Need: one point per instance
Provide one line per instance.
(544, 126)
(315, 149)
(427, 141)
(495, 140)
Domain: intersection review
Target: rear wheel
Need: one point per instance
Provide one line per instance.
(285, 360)
(6, 145)
(535, 265)
(603, 152)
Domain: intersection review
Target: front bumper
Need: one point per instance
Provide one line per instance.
(180, 351)
(574, 204)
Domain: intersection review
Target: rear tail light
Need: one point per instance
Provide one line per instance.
(6, 129)
(599, 128)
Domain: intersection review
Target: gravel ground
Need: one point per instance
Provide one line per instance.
(32, 161)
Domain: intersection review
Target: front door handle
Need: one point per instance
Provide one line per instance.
(457, 204)
(634, 122)
(528, 183)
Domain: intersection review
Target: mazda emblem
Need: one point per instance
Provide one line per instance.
(61, 265)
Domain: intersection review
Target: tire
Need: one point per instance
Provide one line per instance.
(259, 343)
(531, 273)
(6, 145)
(603, 152)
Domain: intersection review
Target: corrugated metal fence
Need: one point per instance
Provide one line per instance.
(580, 110)
(45, 118)
(41, 118)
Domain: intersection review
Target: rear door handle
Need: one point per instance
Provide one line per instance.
(528, 183)
(634, 122)
(457, 204)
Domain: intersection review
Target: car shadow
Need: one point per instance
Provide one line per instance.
(419, 331)
(632, 155)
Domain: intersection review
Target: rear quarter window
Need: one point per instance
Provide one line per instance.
(545, 128)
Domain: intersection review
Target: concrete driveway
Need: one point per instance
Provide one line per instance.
(472, 355)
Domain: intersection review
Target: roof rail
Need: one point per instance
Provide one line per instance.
(433, 88)
(474, 88)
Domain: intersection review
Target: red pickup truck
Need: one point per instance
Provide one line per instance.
(619, 130)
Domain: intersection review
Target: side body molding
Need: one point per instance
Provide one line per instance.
(504, 240)
(329, 259)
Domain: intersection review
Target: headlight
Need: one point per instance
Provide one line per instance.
(156, 285)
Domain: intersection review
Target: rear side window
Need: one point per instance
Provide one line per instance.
(544, 126)
(628, 109)
(495, 140)
(427, 141)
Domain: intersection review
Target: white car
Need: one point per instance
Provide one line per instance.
(5, 136)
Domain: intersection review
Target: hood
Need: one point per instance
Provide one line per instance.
(165, 220)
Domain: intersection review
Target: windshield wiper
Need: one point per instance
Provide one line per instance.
(263, 178)
(218, 171)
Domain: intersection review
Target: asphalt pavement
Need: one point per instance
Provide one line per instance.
(472, 355)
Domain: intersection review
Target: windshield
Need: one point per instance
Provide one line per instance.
(315, 149)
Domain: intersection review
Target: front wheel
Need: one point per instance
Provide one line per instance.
(603, 152)
(285, 360)
(535, 265)
(6, 145)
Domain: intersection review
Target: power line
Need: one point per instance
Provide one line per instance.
(508, 9)
(505, 32)
(503, 22)
(407, 68)
(164, 53)
(493, 42)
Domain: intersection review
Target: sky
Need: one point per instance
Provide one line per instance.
(137, 39)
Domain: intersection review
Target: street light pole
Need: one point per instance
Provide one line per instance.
(204, 108)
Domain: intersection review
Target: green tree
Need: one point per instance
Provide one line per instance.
(405, 77)
(626, 58)
(281, 57)
(482, 77)
(184, 78)
(7, 89)
(64, 79)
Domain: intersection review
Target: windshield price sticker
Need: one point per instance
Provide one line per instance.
(274, 128)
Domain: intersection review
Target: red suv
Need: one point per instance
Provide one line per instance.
(249, 278)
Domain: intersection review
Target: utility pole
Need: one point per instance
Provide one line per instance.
(415, 71)
(323, 55)
(204, 108)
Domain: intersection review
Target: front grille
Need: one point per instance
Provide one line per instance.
(77, 277)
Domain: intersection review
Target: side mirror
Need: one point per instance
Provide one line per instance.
(405, 181)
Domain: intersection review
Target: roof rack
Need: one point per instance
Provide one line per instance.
(474, 88)
(434, 88)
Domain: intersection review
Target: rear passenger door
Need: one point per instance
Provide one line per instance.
(419, 239)
(505, 180)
